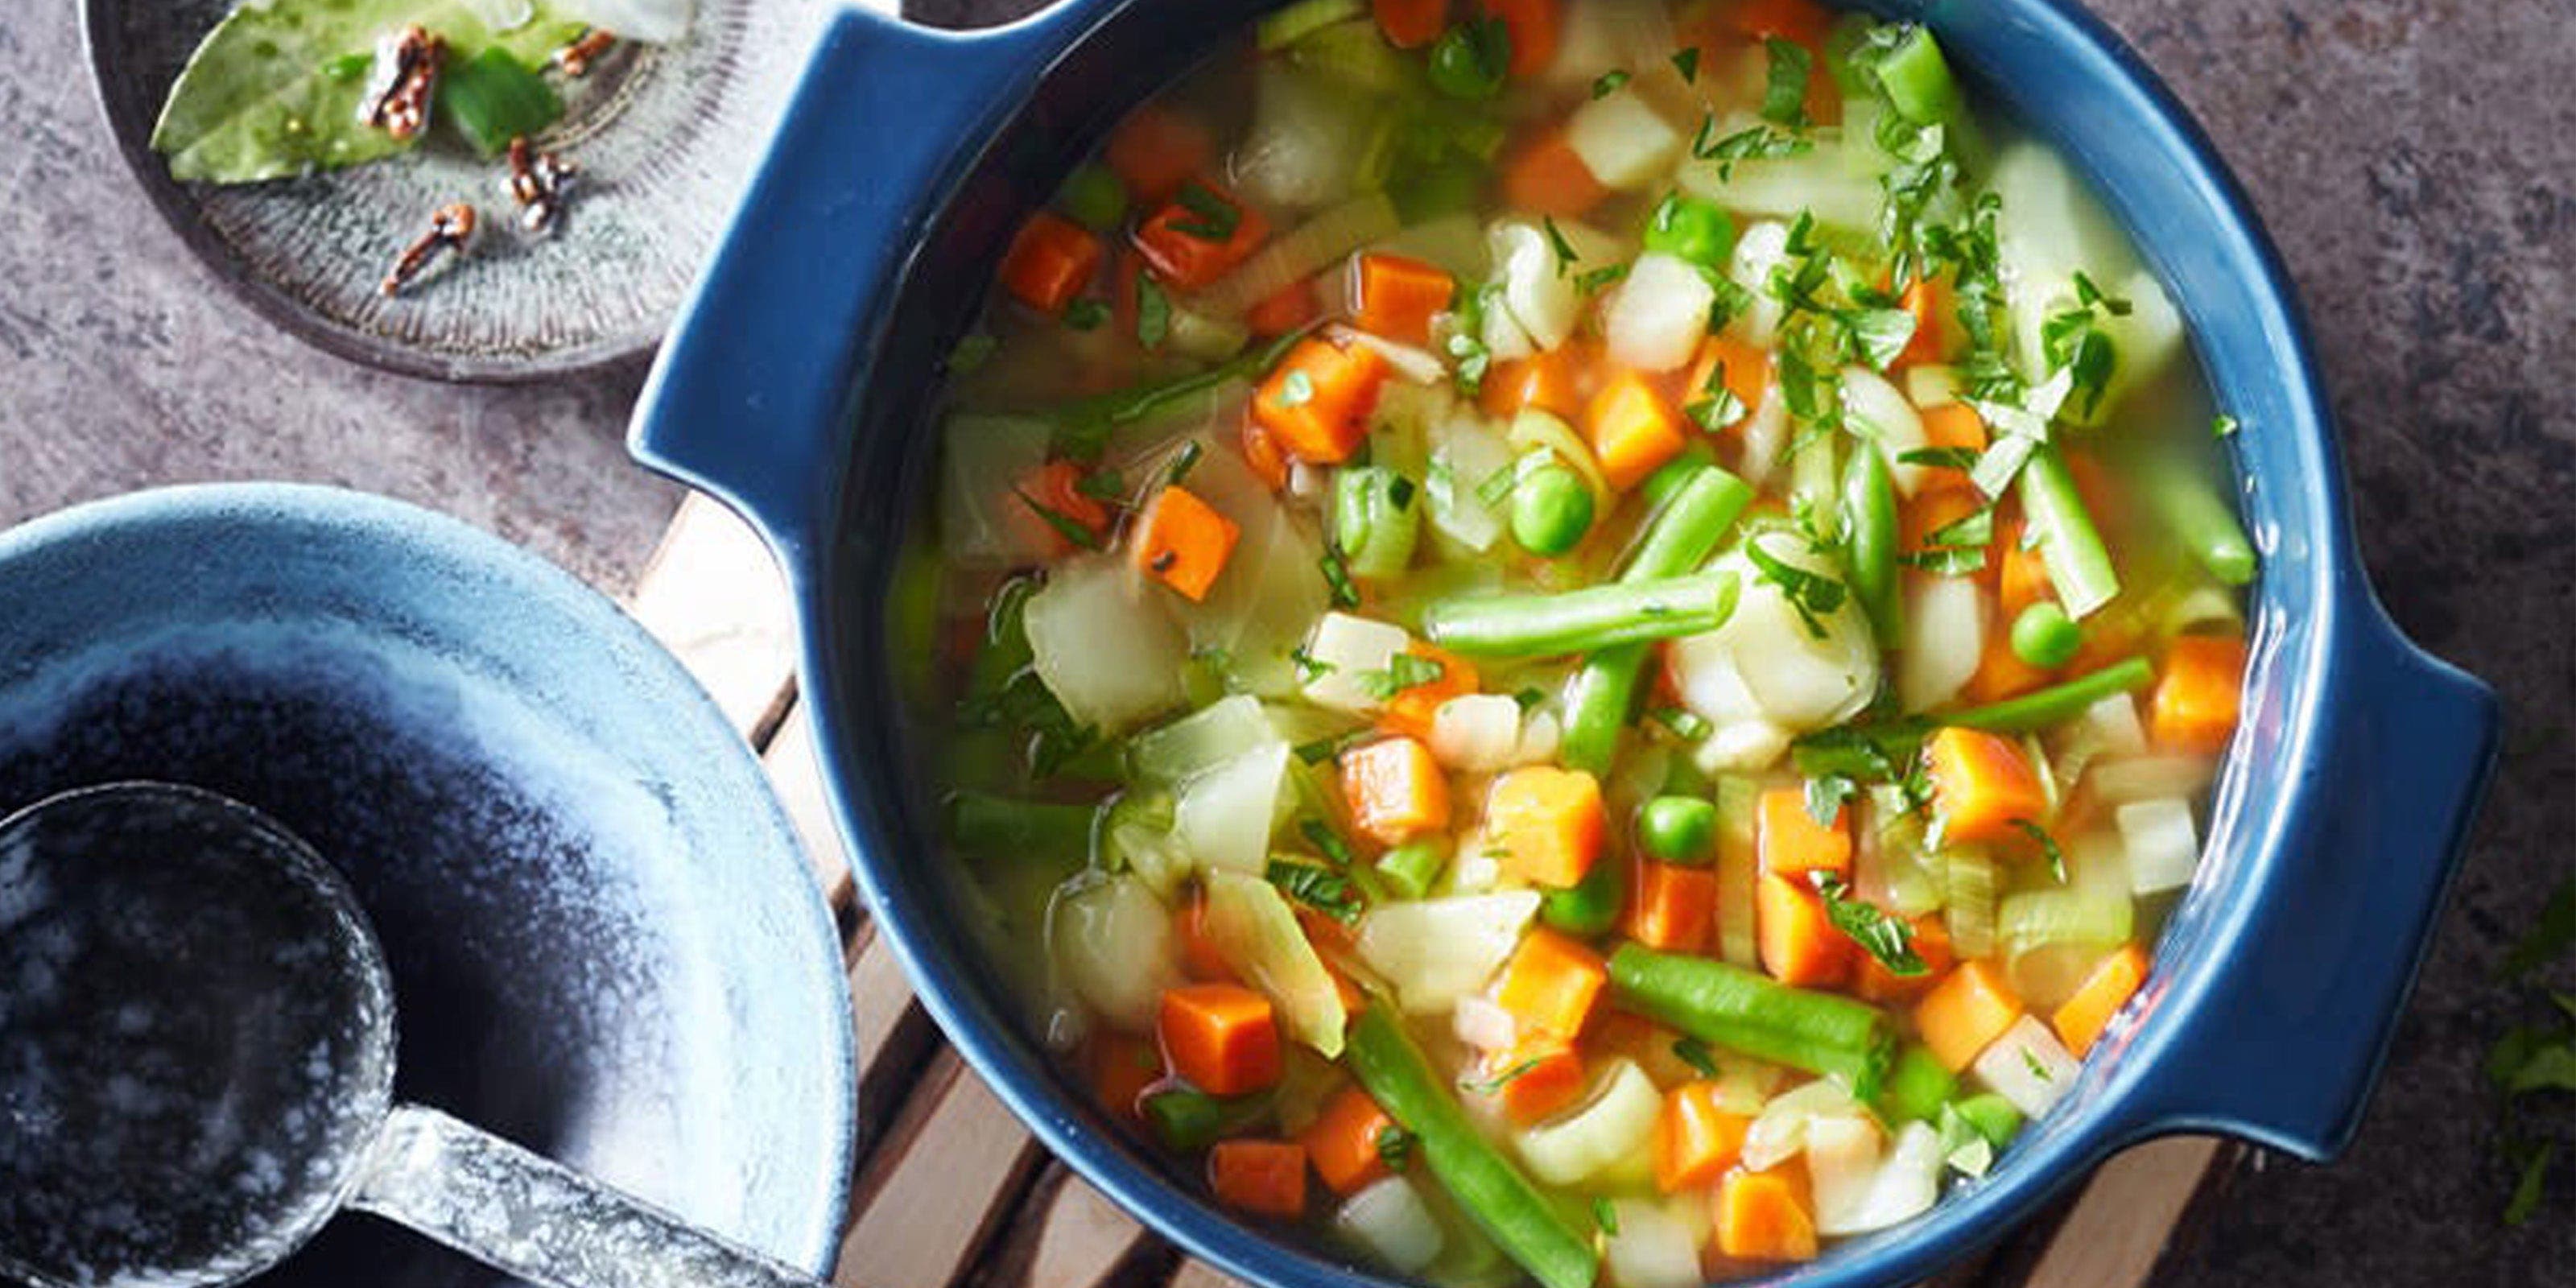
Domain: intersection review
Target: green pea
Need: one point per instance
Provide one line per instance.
(1551, 510)
(1469, 60)
(2045, 636)
(1094, 197)
(1590, 906)
(1678, 829)
(1689, 228)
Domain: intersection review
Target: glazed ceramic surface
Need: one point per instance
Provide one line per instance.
(799, 384)
(604, 940)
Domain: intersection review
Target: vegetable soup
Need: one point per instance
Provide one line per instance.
(1594, 632)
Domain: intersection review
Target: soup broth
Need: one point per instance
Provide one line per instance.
(1594, 633)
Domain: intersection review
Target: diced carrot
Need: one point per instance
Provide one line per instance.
(1981, 786)
(1537, 27)
(1411, 24)
(1220, 1038)
(1122, 1067)
(1927, 300)
(1395, 789)
(1342, 1142)
(1799, 943)
(1545, 381)
(1747, 370)
(1156, 149)
(1398, 296)
(1967, 1010)
(2079, 1020)
(1954, 424)
(1049, 262)
(1263, 1177)
(2021, 575)
(1549, 984)
(1284, 310)
(1874, 982)
(1633, 430)
(1547, 177)
(1548, 822)
(1673, 908)
(2194, 707)
(1201, 961)
(1695, 1140)
(1802, 21)
(1793, 843)
(1261, 451)
(1316, 402)
(1763, 1216)
(1200, 236)
(1410, 711)
(1056, 486)
(1536, 1077)
(1183, 541)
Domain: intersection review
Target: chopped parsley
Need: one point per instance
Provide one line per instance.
(1591, 280)
(1086, 315)
(1940, 458)
(1326, 841)
(1605, 1215)
(1394, 1146)
(1403, 671)
(1310, 668)
(1103, 485)
(1321, 889)
(1809, 594)
(1608, 83)
(1183, 461)
(2047, 845)
(1556, 241)
(1825, 794)
(1153, 313)
(1879, 934)
(1686, 725)
(1066, 526)
(2223, 426)
(1337, 577)
(1488, 1086)
(1717, 406)
(1214, 218)
(2030, 1061)
(1686, 61)
(1755, 143)
(1697, 1054)
(1784, 87)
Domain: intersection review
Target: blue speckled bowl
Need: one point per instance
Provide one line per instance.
(605, 942)
(798, 385)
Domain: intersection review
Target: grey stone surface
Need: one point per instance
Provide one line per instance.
(2416, 162)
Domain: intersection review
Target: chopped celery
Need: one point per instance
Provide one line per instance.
(1295, 22)
(1257, 933)
(1353, 52)
(1917, 79)
(1615, 1120)
(1377, 519)
(1410, 869)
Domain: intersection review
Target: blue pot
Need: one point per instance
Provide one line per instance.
(604, 938)
(798, 384)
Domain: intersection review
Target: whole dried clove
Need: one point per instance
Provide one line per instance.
(575, 59)
(450, 228)
(398, 89)
(539, 182)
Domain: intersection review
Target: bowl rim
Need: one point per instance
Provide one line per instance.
(305, 510)
(2337, 600)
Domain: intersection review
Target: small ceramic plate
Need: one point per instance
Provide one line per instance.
(664, 137)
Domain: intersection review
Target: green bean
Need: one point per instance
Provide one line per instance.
(1917, 79)
(1730, 1006)
(1189, 1121)
(2044, 636)
(1578, 621)
(2078, 564)
(1994, 1117)
(1410, 868)
(2048, 706)
(1678, 829)
(1494, 1193)
(1869, 541)
(1590, 906)
(1701, 504)
(2201, 520)
(1551, 510)
(1917, 1086)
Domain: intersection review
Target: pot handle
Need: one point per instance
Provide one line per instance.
(2284, 1049)
(753, 387)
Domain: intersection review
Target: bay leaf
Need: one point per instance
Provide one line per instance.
(273, 91)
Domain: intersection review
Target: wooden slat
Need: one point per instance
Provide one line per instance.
(1199, 1274)
(893, 1035)
(798, 777)
(937, 1187)
(1067, 1235)
(2125, 1218)
(713, 596)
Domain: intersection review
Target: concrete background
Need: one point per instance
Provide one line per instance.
(2415, 159)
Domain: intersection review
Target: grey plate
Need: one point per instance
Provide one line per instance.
(665, 138)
